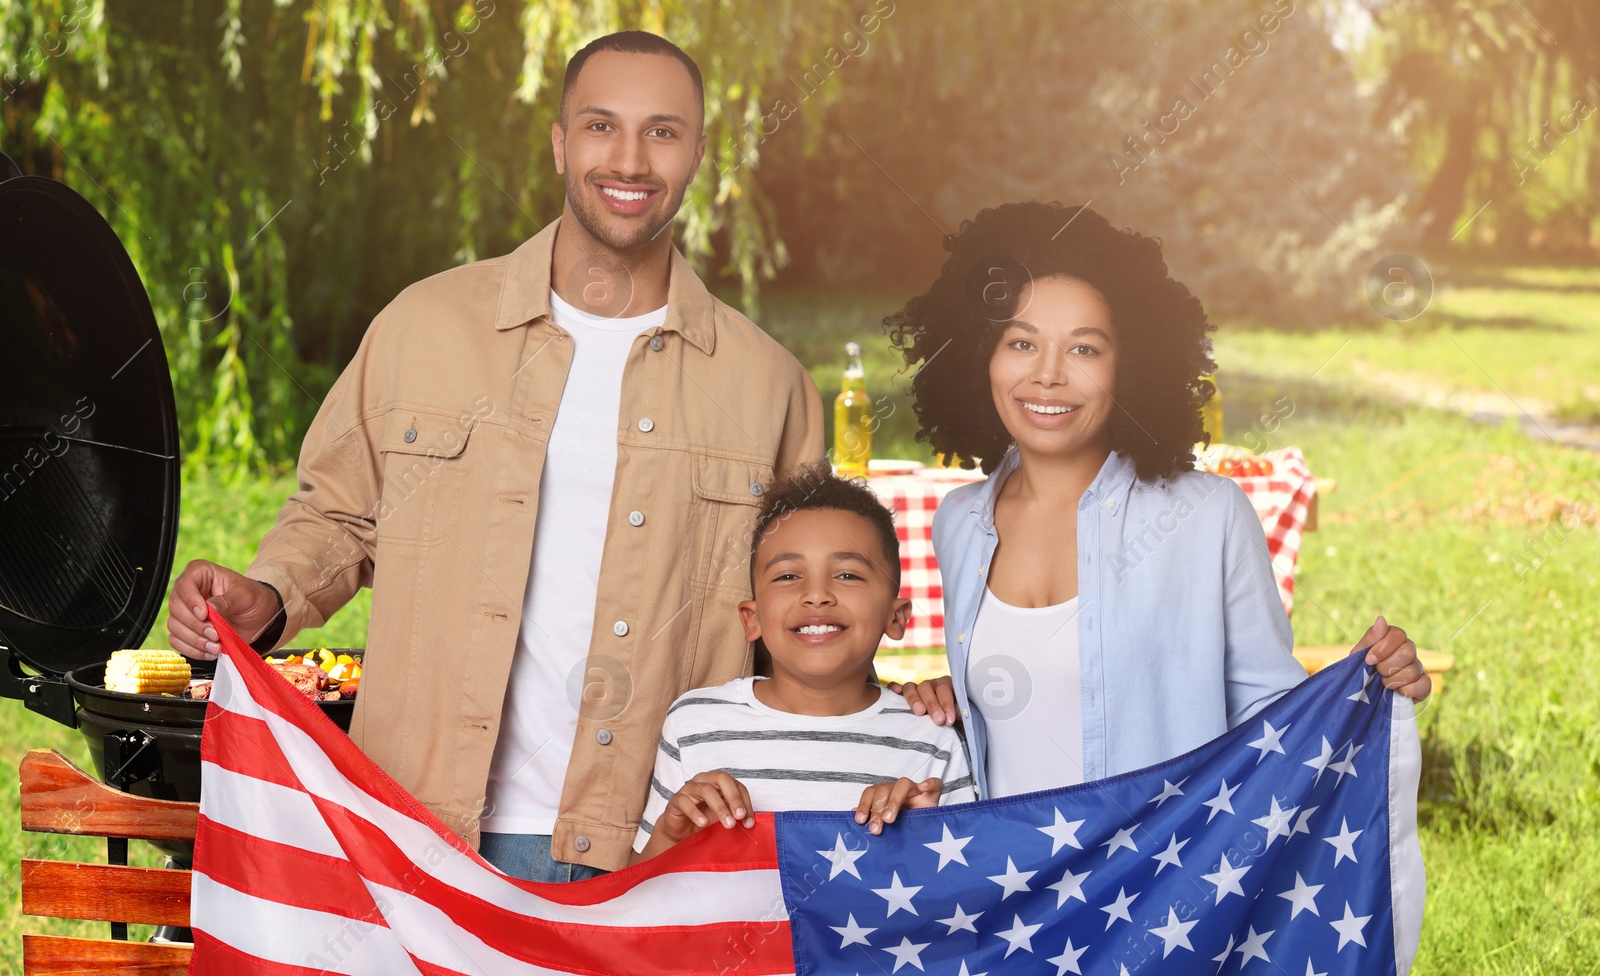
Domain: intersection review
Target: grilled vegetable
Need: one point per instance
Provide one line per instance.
(346, 670)
(147, 672)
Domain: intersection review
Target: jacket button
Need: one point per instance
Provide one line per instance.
(756, 489)
(620, 628)
(656, 343)
(603, 737)
(635, 518)
(580, 843)
(647, 425)
(411, 435)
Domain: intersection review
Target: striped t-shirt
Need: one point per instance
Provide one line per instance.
(800, 762)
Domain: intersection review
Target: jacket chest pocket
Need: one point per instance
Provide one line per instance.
(423, 475)
(727, 499)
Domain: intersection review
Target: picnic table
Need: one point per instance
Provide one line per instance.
(1285, 501)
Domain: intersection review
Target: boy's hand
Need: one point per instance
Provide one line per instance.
(1395, 657)
(708, 797)
(935, 699)
(880, 803)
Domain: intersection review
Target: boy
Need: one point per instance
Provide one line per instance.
(825, 571)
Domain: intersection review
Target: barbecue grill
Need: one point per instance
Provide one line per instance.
(89, 477)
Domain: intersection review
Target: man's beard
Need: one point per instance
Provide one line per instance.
(591, 218)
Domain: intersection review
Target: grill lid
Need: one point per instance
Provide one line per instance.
(88, 434)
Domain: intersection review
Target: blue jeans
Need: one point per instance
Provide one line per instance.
(527, 856)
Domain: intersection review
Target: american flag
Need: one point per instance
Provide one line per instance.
(1287, 846)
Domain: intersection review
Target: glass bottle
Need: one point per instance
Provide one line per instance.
(1211, 411)
(852, 419)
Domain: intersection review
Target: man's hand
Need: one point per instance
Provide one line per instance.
(247, 606)
(709, 796)
(935, 699)
(1395, 656)
(880, 803)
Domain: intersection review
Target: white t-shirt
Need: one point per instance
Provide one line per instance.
(800, 762)
(540, 717)
(1024, 678)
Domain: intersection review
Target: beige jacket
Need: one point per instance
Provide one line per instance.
(420, 478)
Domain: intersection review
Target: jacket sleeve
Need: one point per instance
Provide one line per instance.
(1259, 645)
(320, 551)
(802, 426)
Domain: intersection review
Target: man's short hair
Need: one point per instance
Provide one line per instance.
(631, 42)
(817, 487)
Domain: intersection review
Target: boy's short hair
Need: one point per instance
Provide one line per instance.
(815, 486)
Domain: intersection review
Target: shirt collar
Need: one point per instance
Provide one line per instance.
(1110, 487)
(525, 294)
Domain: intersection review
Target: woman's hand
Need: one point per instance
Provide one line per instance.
(880, 803)
(935, 699)
(1395, 656)
(708, 797)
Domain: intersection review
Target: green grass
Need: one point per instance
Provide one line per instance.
(1453, 530)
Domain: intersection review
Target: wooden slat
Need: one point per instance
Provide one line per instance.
(53, 955)
(105, 892)
(60, 798)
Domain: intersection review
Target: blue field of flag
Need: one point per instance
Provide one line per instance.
(1286, 846)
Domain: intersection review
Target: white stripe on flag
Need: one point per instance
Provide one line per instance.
(679, 898)
(315, 940)
(265, 810)
(1408, 882)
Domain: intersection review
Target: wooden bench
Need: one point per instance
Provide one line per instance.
(60, 798)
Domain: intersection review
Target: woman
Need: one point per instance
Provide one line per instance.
(1107, 606)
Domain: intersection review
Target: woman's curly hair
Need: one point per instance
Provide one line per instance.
(951, 330)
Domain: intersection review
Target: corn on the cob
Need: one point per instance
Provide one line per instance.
(147, 672)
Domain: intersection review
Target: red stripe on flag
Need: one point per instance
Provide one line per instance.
(287, 875)
(214, 956)
(245, 746)
(761, 946)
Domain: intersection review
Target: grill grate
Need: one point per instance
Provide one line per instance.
(47, 519)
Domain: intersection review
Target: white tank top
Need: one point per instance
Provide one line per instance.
(1023, 677)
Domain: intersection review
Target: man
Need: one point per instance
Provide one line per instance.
(546, 466)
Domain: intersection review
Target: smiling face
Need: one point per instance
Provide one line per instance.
(824, 595)
(1053, 372)
(629, 143)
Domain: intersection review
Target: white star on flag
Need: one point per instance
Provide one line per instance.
(907, 952)
(1226, 951)
(898, 895)
(1302, 896)
(1067, 962)
(1168, 791)
(1320, 763)
(843, 859)
(1344, 844)
(965, 973)
(1301, 825)
(1020, 936)
(1349, 928)
(1226, 878)
(1122, 838)
(1222, 802)
(1270, 740)
(1312, 972)
(949, 849)
(1070, 886)
(1119, 908)
(1170, 855)
(1254, 946)
(960, 920)
(1012, 881)
(1174, 934)
(1366, 682)
(1276, 822)
(1347, 764)
(852, 933)
(1062, 833)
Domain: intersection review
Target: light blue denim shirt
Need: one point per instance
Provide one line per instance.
(1181, 633)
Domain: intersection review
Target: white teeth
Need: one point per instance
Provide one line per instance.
(623, 194)
(1046, 410)
(819, 629)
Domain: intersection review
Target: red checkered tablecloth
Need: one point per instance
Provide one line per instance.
(1281, 500)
